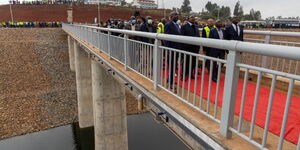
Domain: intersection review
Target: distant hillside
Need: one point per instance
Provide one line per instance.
(81, 13)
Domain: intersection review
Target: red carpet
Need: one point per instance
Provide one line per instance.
(293, 124)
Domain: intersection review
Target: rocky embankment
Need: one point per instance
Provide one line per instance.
(37, 88)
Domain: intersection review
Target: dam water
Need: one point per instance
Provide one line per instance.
(144, 133)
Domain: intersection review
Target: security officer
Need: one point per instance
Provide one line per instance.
(21, 24)
(205, 34)
(161, 26)
(206, 30)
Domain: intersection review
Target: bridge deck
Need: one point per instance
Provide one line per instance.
(202, 122)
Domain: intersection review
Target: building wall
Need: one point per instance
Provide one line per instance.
(113, 2)
(145, 4)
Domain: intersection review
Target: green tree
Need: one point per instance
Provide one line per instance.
(225, 12)
(211, 7)
(215, 11)
(238, 10)
(257, 15)
(185, 7)
(123, 3)
(253, 15)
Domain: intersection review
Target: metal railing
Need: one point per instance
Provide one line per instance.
(189, 76)
(274, 63)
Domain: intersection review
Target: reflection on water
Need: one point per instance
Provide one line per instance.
(143, 134)
(146, 134)
(60, 138)
(84, 137)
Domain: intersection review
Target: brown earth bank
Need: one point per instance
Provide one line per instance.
(37, 88)
(81, 13)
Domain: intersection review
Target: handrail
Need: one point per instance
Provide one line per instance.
(272, 33)
(256, 48)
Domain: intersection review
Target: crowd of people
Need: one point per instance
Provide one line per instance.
(30, 24)
(188, 27)
(39, 2)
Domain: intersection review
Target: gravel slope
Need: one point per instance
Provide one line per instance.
(37, 88)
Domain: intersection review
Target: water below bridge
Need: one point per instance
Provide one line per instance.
(144, 133)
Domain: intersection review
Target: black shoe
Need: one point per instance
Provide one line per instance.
(214, 79)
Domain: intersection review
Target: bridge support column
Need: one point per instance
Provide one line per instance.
(84, 87)
(71, 53)
(109, 110)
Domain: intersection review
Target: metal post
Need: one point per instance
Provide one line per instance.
(286, 113)
(264, 59)
(11, 13)
(231, 82)
(125, 50)
(156, 63)
(99, 21)
(298, 146)
(163, 3)
(108, 42)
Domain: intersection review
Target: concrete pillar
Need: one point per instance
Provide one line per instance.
(71, 53)
(140, 102)
(109, 111)
(84, 87)
(70, 15)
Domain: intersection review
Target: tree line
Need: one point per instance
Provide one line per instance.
(213, 10)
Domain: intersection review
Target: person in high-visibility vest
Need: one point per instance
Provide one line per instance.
(3, 24)
(161, 26)
(206, 31)
(208, 27)
(205, 34)
(21, 24)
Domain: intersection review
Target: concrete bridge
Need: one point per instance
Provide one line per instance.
(203, 113)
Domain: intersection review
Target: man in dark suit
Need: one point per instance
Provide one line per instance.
(147, 26)
(234, 31)
(172, 28)
(190, 29)
(216, 33)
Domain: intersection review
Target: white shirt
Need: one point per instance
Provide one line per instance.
(178, 27)
(220, 32)
(237, 29)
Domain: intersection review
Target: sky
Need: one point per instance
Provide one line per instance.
(284, 8)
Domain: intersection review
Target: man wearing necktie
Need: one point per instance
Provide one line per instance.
(234, 31)
(216, 33)
(190, 29)
(172, 28)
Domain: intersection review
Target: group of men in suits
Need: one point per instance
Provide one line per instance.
(231, 32)
(190, 28)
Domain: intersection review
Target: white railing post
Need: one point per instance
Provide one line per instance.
(156, 63)
(108, 42)
(125, 50)
(298, 146)
(264, 59)
(92, 39)
(230, 88)
(86, 34)
(98, 38)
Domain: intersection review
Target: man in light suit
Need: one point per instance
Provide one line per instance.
(216, 33)
(172, 28)
(190, 29)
